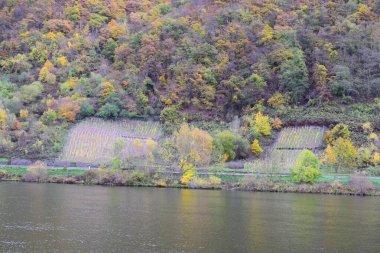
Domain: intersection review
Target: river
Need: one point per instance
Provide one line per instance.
(76, 218)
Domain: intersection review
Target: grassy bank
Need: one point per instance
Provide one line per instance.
(150, 178)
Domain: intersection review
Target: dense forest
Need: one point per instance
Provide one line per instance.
(300, 62)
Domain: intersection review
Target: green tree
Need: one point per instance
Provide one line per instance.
(230, 145)
(294, 76)
(108, 111)
(341, 83)
(307, 168)
(170, 118)
(29, 93)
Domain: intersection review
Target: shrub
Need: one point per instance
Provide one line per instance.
(277, 100)
(3, 174)
(198, 182)
(214, 181)
(68, 109)
(340, 130)
(162, 182)
(29, 93)
(360, 184)
(277, 123)
(341, 154)
(3, 119)
(194, 145)
(170, 118)
(37, 172)
(261, 124)
(307, 168)
(256, 149)
(189, 172)
(230, 145)
(49, 117)
(108, 111)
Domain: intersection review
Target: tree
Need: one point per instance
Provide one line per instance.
(109, 49)
(68, 109)
(277, 101)
(277, 123)
(24, 113)
(3, 118)
(339, 130)
(262, 124)
(29, 93)
(307, 168)
(341, 154)
(194, 145)
(108, 111)
(341, 83)
(49, 117)
(170, 118)
(37, 172)
(256, 149)
(230, 145)
(294, 76)
(266, 34)
(189, 172)
(320, 79)
(107, 88)
(360, 184)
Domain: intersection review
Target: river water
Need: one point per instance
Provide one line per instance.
(75, 218)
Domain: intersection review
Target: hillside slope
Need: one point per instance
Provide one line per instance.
(63, 61)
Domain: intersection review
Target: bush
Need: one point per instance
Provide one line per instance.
(230, 145)
(194, 145)
(256, 149)
(37, 172)
(189, 172)
(3, 174)
(360, 184)
(108, 111)
(307, 168)
(340, 130)
(214, 181)
(341, 154)
(170, 118)
(198, 182)
(29, 93)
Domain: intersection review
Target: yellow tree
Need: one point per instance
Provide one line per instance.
(256, 149)
(194, 145)
(24, 113)
(3, 118)
(107, 88)
(262, 124)
(320, 79)
(342, 153)
(68, 109)
(62, 61)
(189, 172)
(151, 145)
(266, 34)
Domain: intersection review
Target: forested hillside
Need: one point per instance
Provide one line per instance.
(299, 61)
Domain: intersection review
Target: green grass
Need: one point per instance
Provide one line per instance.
(4, 160)
(53, 172)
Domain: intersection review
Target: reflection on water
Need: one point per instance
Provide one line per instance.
(72, 218)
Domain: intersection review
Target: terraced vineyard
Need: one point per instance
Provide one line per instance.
(285, 151)
(93, 140)
(310, 137)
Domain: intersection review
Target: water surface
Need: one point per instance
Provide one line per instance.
(74, 218)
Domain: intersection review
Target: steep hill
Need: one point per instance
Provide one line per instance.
(63, 61)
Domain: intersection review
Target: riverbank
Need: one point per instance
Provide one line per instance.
(355, 185)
